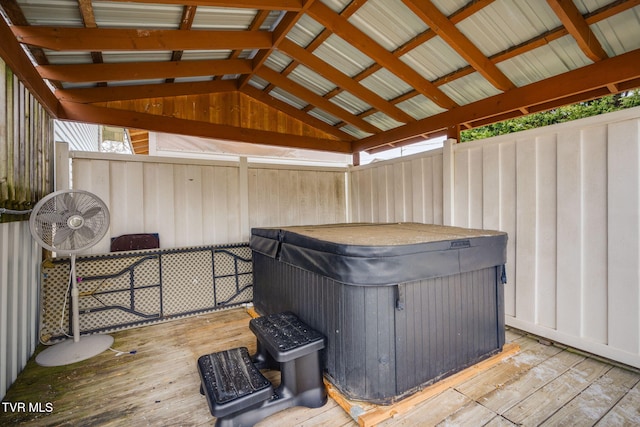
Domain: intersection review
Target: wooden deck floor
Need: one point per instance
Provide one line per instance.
(159, 386)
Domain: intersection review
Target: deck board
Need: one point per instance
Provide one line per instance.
(159, 385)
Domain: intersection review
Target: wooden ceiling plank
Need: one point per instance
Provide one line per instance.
(343, 28)
(334, 75)
(125, 118)
(570, 85)
(577, 26)
(123, 93)
(267, 99)
(293, 5)
(442, 26)
(303, 93)
(114, 39)
(143, 70)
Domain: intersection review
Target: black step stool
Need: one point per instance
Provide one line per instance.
(237, 392)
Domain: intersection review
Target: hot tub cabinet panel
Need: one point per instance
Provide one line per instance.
(387, 340)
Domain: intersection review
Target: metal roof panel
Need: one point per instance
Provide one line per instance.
(388, 22)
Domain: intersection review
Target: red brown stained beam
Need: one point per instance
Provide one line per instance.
(442, 26)
(132, 119)
(279, 34)
(292, 5)
(15, 57)
(188, 13)
(300, 115)
(337, 77)
(143, 70)
(618, 69)
(129, 92)
(89, 19)
(343, 28)
(577, 26)
(310, 97)
(109, 39)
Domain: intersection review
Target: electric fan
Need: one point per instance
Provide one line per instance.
(68, 222)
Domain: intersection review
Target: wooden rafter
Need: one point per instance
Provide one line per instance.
(134, 119)
(446, 29)
(577, 26)
(341, 79)
(110, 39)
(143, 70)
(186, 21)
(620, 68)
(307, 95)
(293, 5)
(114, 93)
(343, 28)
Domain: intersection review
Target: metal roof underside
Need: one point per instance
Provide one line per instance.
(345, 76)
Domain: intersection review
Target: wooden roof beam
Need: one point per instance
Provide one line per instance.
(575, 85)
(143, 70)
(279, 34)
(132, 119)
(303, 93)
(293, 5)
(343, 28)
(342, 80)
(17, 60)
(122, 93)
(114, 39)
(442, 26)
(267, 99)
(186, 21)
(577, 26)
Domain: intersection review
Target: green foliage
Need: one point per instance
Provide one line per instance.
(594, 107)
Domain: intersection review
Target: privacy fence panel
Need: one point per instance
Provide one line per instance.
(569, 198)
(193, 203)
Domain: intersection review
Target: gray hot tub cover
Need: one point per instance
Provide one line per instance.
(382, 253)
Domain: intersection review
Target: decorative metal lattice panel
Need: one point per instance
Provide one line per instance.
(126, 289)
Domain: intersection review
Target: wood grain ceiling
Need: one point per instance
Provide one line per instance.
(237, 94)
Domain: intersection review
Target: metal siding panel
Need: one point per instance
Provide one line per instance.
(19, 299)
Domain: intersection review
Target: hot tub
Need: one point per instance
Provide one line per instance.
(401, 304)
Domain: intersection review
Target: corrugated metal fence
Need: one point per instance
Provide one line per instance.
(25, 174)
(569, 197)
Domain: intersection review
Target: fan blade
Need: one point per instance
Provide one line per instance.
(86, 232)
(91, 212)
(68, 202)
(61, 235)
(50, 218)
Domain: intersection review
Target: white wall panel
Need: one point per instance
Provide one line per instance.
(569, 198)
(405, 189)
(192, 202)
(19, 299)
(281, 195)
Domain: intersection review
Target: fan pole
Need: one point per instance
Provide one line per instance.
(75, 296)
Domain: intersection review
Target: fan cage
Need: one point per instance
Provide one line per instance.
(69, 221)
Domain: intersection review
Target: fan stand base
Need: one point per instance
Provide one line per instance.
(70, 351)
